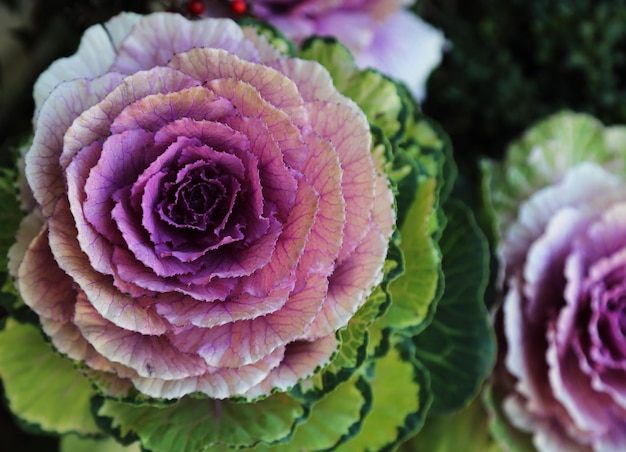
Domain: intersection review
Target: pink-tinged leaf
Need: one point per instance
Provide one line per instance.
(150, 356)
(113, 305)
(575, 268)
(580, 186)
(239, 261)
(213, 134)
(246, 341)
(607, 235)
(110, 384)
(220, 383)
(528, 363)
(384, 213)
(137, 280)
(571, 387)
(68, 340)
(92, 185)
(282, 127)
(611, 382)
(96, 244)
(543, 272)
(185, 311)
(143, 48)
(351, 283)
(267, 52)
(323, 171)
(43, 286)
(30, 227)
(614, 439)
(188, 241)
(266, 290)
(209, 64)
(302, 359)
(348, 131)
(547, 434)
(313, 80)
(95, 123)
(156, 110)
(94, 56)
(278, 181)
(60, 109)
(118, 27)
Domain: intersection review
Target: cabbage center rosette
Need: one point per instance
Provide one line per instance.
(563, 248)
(207, 212)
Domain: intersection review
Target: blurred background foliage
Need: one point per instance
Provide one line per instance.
(513, 62)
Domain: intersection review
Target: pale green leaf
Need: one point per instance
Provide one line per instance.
(413, 294)
(198, 424)
(73, 443)
(400, 401)
(334, 419)
(42, 387)
(335, 57)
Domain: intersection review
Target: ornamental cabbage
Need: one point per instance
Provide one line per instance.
(207, 218)
(215, 232)
(559, 202)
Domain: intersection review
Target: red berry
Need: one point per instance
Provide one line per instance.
(238, 6)
(195, 7)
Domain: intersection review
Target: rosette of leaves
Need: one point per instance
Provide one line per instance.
(544, 389)
(420, 345)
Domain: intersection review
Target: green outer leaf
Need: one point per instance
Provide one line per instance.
(436, 143)
(464, 430)
(414, 293)
(197, 424)
(380, 100)
(42, 387)
(458, 347)
(400, 401)
(426, 151)
(73, 443)
(334, 419)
